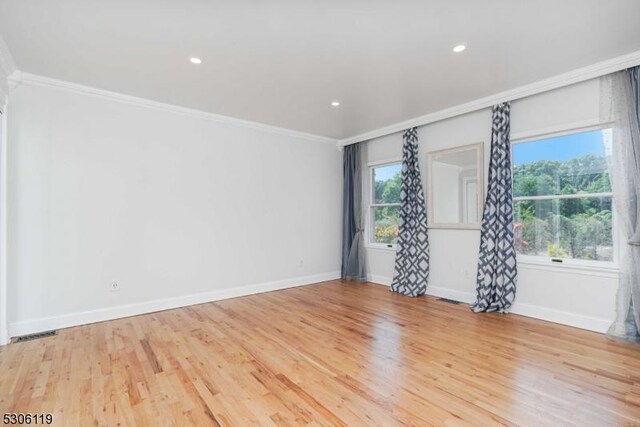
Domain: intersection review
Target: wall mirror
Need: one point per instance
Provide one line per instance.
(456, 184)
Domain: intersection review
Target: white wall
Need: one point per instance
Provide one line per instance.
(6, 68)
(583, 298)
(4, 327)
(168, 205)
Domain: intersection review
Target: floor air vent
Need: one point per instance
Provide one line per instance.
(39, 335)
(450, 301)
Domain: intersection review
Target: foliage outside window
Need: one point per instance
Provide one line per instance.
(563, 198)
(386, 181)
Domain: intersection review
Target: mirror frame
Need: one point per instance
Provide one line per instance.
(479, 147)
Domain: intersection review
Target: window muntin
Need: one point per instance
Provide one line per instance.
(386, 182)
(563, 204)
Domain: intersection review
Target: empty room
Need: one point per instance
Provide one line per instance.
(323, 213)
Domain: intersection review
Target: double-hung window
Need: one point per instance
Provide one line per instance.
(384, 210)
(562, 197)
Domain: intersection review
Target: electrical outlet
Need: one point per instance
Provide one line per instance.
(115, 287)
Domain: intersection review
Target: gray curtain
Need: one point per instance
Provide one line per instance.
(497, 270)
(353, 255)
(412, 256)
(620, 106)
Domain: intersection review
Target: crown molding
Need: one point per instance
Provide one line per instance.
(576, 76)
(18, 78)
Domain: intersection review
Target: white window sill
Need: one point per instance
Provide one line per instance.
(607, 269)
(381, 247)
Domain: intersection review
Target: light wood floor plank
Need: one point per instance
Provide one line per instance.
(331, 354)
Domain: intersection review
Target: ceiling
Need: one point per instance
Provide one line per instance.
(282, 62)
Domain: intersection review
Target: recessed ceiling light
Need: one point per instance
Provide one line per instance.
(459, 48)
(335, 104)
(195, 60)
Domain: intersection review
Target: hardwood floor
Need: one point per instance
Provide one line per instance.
(335, 353)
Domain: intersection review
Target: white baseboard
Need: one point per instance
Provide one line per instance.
(529, 310)
(440, 292)
(563, 317)
(85, 317)
(380, 280)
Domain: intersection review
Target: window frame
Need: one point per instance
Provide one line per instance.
(544, 261)
(369, 187)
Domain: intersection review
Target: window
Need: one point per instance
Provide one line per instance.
(562, 197)
(386, 181)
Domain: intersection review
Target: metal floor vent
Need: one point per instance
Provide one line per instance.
(450, 301)
(39, 335)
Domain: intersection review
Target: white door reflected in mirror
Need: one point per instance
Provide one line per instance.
(455, 182)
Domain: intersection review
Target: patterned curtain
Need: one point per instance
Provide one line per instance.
(412, 257)
(497, 271)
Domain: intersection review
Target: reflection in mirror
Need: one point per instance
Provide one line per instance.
(456, 186)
